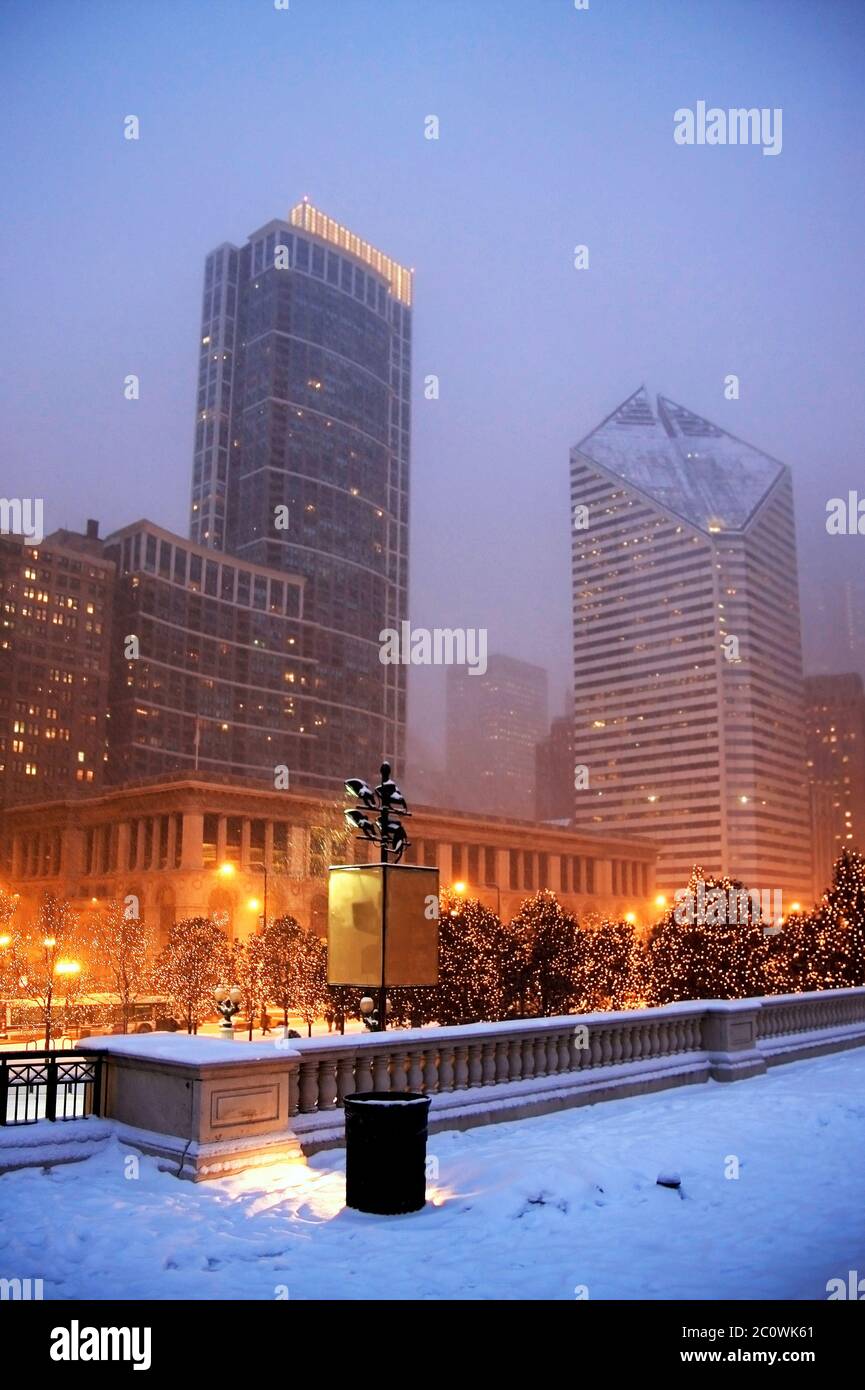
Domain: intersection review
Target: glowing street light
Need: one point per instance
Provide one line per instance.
(226, 870)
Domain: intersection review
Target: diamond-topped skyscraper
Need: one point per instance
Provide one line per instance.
(689, 710)
(302, 458)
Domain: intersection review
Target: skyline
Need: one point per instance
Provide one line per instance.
(693, 253)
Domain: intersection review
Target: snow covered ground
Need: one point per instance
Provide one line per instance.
(531, 1209)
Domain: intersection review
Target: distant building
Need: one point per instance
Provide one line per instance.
(687, 659)
(554, 772)
(836, 767)
(494, 723)
(853, 622)
(55, 635)
(301, 458)
(165, 842)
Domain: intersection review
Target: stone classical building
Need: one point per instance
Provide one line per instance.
(188, 846)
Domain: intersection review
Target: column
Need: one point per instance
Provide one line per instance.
(192, 840)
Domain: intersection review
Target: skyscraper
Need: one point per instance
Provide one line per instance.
(494, 722)
(302, 453)
(689, 724)
(836, 766)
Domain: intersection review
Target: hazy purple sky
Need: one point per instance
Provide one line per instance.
(556, 129)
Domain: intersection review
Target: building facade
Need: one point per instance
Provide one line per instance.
(494, 723)
(205, 846)
(301, 455)
(55, 633)
(836, 767)
(689, 701)
(210, 668)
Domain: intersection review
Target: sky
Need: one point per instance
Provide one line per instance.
(555, 130)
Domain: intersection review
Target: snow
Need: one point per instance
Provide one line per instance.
(189, 1049)
(531, 1209)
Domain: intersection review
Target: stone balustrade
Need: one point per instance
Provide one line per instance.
(209, 1107)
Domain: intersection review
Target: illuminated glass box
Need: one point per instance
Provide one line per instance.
(382, 925)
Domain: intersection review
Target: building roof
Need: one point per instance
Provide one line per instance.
(690, 466)
(312, 219)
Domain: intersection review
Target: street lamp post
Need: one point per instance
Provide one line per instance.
(389, 833)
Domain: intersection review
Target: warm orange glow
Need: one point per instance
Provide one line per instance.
(459, 887)
(631, 917)
(67, 967)
(5, 940)
(795, 907)
(49, 941)
(254, 905)
(661, 900)
(227, 870)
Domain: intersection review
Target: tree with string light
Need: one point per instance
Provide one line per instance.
(120, 944)
(612, 967)
(248, 971)
(548, 954)
(52, 973)
(718, 951)
(282, 947)
(188, 969)
(473, 961)
(310, 992)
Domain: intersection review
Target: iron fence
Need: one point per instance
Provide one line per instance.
(51, 1085)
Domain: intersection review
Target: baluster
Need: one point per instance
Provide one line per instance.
(327, 1083)
(503, 1071)
(431, 1070)
(552, 1058)
(363, 1078)
(488, 1064)
(515, 1059)
(475, 1065)
(345, 1082)
(565, 1050)
(415, 1070)
(308, 1087)
(606, 1048)
(381, 1071)
(398, 1067)
(528, 1047)
(461, 1068)
(446, 1067)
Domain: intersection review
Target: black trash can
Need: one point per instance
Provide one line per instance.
(385, 1151)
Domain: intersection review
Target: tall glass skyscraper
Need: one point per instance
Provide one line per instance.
(689, 700)
(302, 457)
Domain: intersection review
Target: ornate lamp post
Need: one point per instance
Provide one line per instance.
(389, 833)
(228, 999)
